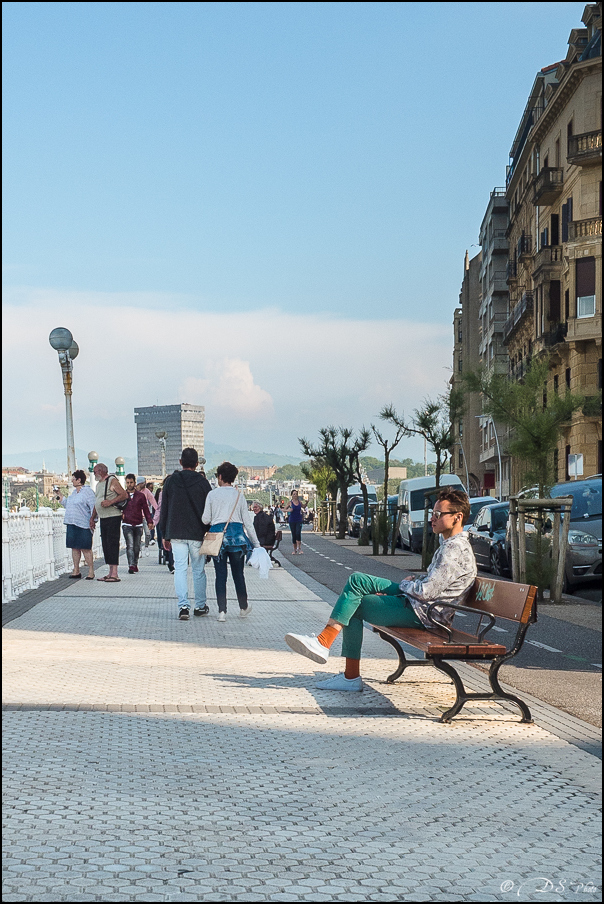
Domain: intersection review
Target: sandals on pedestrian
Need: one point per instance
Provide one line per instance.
(108, 580)
(75, 577)
(90, 577)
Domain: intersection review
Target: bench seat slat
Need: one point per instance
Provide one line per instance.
(431, 643)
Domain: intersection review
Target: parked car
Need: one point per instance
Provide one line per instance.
(487, 536)
(354, 520)
(584, 553)
(476, 504)
(411, 498)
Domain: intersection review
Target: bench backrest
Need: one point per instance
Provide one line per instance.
(516, 602)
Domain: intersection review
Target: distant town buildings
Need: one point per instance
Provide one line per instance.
(184, 427)
(545, 230)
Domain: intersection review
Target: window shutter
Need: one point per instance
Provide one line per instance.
(554, 301)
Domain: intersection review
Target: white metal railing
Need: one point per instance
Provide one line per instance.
(34, 551)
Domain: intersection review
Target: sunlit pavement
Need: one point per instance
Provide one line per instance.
(152, 759)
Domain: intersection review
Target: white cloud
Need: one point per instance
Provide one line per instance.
(266, 377)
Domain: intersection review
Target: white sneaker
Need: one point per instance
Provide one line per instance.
(147, 553)
(308, 645)
(243, 613)
(222, 616)
(340, 683)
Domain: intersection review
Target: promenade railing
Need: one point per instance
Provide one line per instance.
(34, 551)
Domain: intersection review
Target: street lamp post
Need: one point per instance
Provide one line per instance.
(161, 435)
(63, 342)
(93, 458)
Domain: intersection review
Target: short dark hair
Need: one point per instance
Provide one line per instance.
(131, 477)
(458, 500)
(81, 476)
(189, 458)
(227, 471)
(149, 485)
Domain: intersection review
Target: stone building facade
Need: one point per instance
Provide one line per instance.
(554, 190)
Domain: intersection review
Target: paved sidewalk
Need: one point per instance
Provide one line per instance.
(157, 760)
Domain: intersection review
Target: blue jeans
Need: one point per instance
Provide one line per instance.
(296, 529)
(183, 550)
(236, 555)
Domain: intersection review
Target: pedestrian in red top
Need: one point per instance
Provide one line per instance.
(132, 522)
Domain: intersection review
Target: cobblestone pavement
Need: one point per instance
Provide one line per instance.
(149, 759)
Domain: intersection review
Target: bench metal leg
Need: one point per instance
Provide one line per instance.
(403, 662)
(464, 697)
(499, 691)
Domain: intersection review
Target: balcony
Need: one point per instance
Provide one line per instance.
(552, 338)
(549, 260)
(585, 149)
(498, 281)
(548, 185)
(523, 309)
(511, 270)
(525, 247)
(585, 229)
(585, 329)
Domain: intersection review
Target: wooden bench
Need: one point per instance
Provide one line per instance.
(271, 549)
(488, 599)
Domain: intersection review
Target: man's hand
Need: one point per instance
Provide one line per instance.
(167, 545)
(106, 503)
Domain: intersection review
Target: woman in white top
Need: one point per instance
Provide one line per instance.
(79, 507)
(224, 503)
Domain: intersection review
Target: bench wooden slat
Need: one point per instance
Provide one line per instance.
(425, 641)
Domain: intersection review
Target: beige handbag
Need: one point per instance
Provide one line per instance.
(212, 543)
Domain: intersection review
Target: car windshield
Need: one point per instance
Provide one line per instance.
(587, 499)
(474, 509)
(417, 500)
(500, 518)
(358, 510)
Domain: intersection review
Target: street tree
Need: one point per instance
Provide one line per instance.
(435, 421)
(534, 416)
(388, 445)
(338, 448)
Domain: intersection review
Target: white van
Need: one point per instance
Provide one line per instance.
(411, 498)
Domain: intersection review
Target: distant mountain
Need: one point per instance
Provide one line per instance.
(55, 459)
(216, 453)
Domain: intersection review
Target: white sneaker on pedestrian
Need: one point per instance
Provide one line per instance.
(243, 613)
(340, 683)
(222, 616)
(308, 645)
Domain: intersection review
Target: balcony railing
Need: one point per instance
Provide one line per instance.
(525, 247)
(511, 270)
(583, 229)
(551, 257)
(548, 185)
(554, 336)
(520, 312)
(585, 149)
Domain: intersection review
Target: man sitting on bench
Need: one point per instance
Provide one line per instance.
(405, 605)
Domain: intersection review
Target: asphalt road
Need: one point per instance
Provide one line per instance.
(560, 662)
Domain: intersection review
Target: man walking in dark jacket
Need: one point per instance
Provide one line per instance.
(133, 515)
(264, 526)
(182, 504)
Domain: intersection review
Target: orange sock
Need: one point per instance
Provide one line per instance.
(353, 668)
(327, 636)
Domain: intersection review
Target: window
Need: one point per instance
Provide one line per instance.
(460, 458)
(557, 155)
(555, 229)
(460, 365)
(567, 377)
(569, 135)
(567, 217)
(554, 300)
(566, 457)
(586, 286)
(460, 429)
(566, 304)
(556, 383)
(556, 464)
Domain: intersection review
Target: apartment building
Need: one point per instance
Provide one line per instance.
(493, 312)
(554, 272)
(183, 426)
(466, 452)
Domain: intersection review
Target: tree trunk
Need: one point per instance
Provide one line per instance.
(364, 534)
(343, 511)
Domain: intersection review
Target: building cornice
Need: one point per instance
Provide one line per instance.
(576, 73)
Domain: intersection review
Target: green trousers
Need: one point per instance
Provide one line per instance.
(359, 602)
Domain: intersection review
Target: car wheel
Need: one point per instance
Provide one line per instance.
(496, 566)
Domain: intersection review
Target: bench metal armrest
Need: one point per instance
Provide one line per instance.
(481, 634)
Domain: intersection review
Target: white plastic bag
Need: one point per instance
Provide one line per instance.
(260, 559)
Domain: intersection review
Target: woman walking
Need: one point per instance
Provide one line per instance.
(226, 510)
(79, 507)
(296, 518)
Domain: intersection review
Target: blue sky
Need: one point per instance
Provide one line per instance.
(326, 162)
